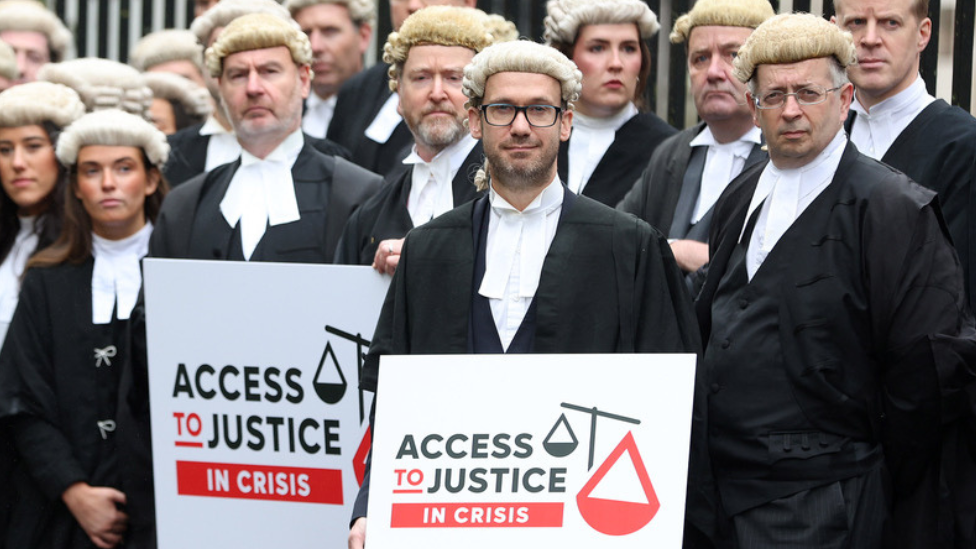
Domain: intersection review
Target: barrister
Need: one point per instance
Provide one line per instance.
(612, 139)
(202, 147)
(366, 120)
(688, 171)
(282, 200)
(427, 58)
(833, 313)
(516, 270)
(894, 119)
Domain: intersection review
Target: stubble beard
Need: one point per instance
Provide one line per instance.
(520, 177)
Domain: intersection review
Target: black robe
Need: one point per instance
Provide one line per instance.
(328, 189)
(188, 153)
(386, 216)
(360, 100)
(877, 342)
(621, 165)
(938, 150)
(655, 196)
(54, 392)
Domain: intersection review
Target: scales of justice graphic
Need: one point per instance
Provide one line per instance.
(331, 391)
(615, 517)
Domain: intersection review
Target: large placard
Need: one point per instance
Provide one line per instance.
(259, 428)
(491, 451)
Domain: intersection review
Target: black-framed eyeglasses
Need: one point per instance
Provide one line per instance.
(503, 114)
(811, 95)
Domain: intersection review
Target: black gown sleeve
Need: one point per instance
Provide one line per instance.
(28, 398)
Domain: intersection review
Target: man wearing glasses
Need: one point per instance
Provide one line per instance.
(530, 267)
(833, 314)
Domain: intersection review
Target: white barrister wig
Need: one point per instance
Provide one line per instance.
(34, 103)
(521, 56)
(518, 56)
(194, 99)
(8, 62)
(435, 26)
(258, 31)
(164, 46)
(112, 128)
(721, 13)
(360, 11)
(30, 15)
(102, 84)
(791, 38)
(565, 17)
(226, 11)
(501, 29)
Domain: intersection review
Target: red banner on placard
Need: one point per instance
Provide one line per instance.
(265, 482)
(477, 515)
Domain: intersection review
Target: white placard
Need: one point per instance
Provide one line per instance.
(258, 423)
(490, 451)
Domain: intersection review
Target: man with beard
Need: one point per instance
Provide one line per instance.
(896, 121)
(689, 171)
(367, 120)
(202, 147)
(530, 267)
(427, 59)
(339, 31)
(282, 200)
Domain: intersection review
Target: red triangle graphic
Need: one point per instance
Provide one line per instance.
(359, 460)
(612, 517)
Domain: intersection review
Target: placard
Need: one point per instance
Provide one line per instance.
(259, 428)
(488, 451)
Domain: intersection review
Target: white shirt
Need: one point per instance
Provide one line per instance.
(116, 277)
(723, 163)
(590, 140)
(431, 191)
(517, 245)
(223, 146)
(874, 132)
(12, 269)
(262, 191)
(387, 120)
(318, 115)
(790, 192)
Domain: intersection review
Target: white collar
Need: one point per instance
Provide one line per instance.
(386, 121)
(12, 268)
(908, 101)
(116, 277)
(809, 175)
(315, 102)
(212, 127)
(262, 191)
(744, 143)
(520, 234)
(612, 122)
